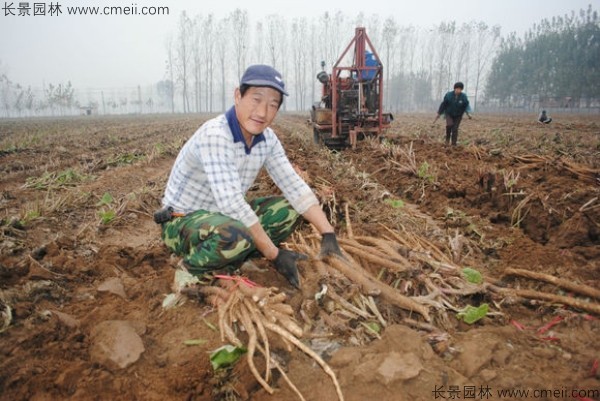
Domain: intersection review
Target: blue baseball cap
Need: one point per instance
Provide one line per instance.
(263, 75)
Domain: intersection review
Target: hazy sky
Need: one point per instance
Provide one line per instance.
(114, 51)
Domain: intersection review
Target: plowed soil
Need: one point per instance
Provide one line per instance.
(506, 190)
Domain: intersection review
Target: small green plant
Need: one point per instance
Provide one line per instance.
(107, 216)
(226, 356)
(29, 216)
(472, 276)
(106, 200)
(106, 213)
(395, 203)
(424, 172)
(471, 314)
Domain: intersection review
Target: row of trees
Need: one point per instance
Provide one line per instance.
(557, 58)
(206, 56)
(63, 99)
(16, 100)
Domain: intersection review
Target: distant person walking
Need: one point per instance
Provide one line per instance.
(543, 118)
(454, 105)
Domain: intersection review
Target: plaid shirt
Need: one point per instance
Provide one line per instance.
(215, 168)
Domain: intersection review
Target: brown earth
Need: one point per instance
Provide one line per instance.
(78, 286)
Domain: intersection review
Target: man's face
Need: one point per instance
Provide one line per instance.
(457, 91)
(256, 109)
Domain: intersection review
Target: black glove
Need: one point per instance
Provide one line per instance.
(285, 263)
(330, 246)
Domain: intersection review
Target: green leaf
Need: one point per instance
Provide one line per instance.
(106, 199)
(372, 326)
(470, 314)
(395, 203)
(225, 356)
(106, 216)
(472, 275)
(195, 341)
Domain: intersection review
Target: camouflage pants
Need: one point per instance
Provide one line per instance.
(210, 241)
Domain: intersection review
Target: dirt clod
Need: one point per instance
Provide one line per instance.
(115, 344)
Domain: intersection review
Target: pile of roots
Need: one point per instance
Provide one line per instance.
(399, 277)
(260, 312)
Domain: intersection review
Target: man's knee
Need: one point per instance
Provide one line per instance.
(226, 244)
(232, 239)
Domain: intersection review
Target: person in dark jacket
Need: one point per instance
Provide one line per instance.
(454, 105)
(543, 118)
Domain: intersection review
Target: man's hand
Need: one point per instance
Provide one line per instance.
(468, 115)
(285, 263)
(330, 246)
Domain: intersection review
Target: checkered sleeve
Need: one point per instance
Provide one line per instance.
(217, 154)
(295, 190)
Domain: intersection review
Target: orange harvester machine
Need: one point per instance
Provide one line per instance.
(350, 108)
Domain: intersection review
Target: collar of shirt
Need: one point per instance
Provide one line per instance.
(234, 126)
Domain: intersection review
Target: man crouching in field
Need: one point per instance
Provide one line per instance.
(210, 223)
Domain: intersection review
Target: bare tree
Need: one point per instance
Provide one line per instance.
(259, 44)
(411, 36)
(333, 37)
(374, 30)
(445, 51)
(241, 33)
(170, 70)
(283, 50)
(196, 34)
(325, 32)
(183, 57)
(208, 42)
(389, 34)
(486, 44)
(19, 99)
(61, 95)
(6, 94)
(299, 56)
(277, 44)
(340, 35)
(274, 28)
(463, 55)
(29, 100)
(222, 44)
(313, 61)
